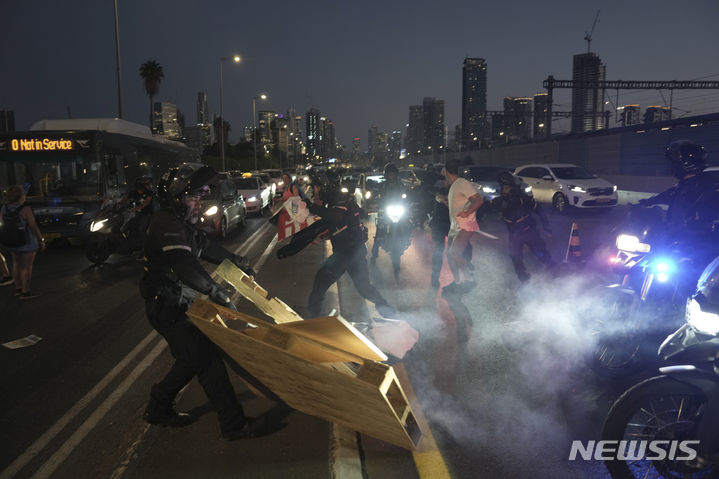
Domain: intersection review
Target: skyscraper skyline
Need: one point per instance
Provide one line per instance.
(587, 103)
(474, 101)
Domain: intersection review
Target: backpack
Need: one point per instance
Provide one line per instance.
(12, 232)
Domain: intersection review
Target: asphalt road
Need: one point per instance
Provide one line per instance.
(504, 396)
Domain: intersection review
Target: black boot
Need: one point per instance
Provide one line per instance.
(166, 417)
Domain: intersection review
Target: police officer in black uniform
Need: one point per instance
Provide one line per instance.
(693, 214)
(173, 276)
(142, 201)
(349, 253)
(390, 189)
(517, 209)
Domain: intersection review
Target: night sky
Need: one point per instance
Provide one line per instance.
(359, 63)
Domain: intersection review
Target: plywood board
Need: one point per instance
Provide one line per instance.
(338, 332)
(272, 307)
(371, 401)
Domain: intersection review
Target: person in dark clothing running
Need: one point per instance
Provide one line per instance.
(517, 209)
(349, 253)
(173, 276)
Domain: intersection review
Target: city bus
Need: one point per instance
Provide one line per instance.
(71, 168)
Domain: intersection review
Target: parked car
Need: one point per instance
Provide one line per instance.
(223, 209)
(266, 180)
(564, 185)
(484, 178)
(276, 177)
(256, 194)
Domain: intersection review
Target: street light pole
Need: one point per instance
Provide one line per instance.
(254, 126)
(117, 55)
(236, 59)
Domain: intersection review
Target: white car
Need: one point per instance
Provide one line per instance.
(257, 195)
(564, 185)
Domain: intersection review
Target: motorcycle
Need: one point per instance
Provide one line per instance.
(678, 407)
(648, 301)
(112, 232)
(394, 230)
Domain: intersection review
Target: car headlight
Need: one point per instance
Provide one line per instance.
(577, 189)
(395, 212)
(632, 244)
(97, 225)
(707, 323)
(306, 178)
(614, 189)
(528, 189)
(212, 210)
(404, 195)
(488, 189)
(252, 198)
(344, 190)
(368, 195)
(280, 183)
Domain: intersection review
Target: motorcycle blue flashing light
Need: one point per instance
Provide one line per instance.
(663, 268)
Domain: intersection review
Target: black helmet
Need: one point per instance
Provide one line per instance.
(189, 182)
(686, 158)
(390, 168)
(507, 178)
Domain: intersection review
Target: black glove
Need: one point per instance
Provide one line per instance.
(249, 271)
(241, 262)
(219, 295)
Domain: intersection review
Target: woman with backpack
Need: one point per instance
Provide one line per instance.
(16, 212)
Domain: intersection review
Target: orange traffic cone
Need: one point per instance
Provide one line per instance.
(574, 249)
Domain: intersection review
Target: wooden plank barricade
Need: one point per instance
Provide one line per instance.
(323, 366)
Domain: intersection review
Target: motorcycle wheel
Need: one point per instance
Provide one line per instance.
(659, 408)
(98, 249)
(618, 353)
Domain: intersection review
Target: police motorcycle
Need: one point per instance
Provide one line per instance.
(666, 426)
(396, 218)
(660, 261)
(112, 232)
(656, 274)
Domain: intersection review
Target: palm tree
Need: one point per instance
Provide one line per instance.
(152, 74)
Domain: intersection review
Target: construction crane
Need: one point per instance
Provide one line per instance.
(588, 35)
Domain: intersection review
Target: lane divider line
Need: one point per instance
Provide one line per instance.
(247, 245)
(36, 447)
(81, 433)
(265, 254)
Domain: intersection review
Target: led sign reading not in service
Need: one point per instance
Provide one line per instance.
(45, 144)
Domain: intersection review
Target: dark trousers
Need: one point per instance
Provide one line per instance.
(353, 262)
(195, 355)
(530, 238)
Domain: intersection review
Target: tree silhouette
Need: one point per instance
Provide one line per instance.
(152, 75)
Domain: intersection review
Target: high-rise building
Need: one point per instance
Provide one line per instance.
(474, 102)
(313, 132)
(395, 145)
(165, 120)
(541, 115)
(7, 120)
(264, 126)
(517, 117)
(587, 101)
(372, 141)
(328, 144)
(203, 114)
(656, 113)
(630, 115)
(415, 130)
(434, 132)
(356, 149)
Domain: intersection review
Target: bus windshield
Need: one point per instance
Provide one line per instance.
(61, 174)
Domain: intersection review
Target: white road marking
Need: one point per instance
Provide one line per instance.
(265, 254)
(81, 433)
(247, 245)
(50, 434)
